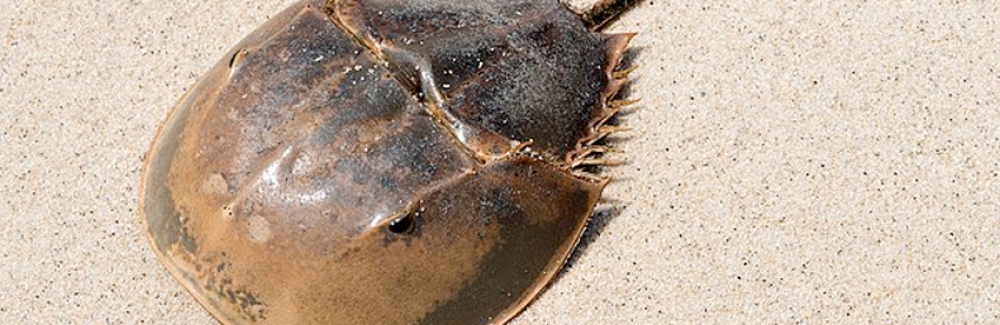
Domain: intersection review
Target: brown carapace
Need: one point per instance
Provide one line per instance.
(385, 162)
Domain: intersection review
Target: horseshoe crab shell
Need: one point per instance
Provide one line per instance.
(384, 162)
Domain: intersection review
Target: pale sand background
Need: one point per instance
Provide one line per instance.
(817, 162)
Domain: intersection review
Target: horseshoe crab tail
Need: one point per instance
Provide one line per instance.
(604, 12)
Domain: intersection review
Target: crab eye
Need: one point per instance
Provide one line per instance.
(403, 224)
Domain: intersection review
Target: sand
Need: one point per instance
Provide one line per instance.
(817, 162)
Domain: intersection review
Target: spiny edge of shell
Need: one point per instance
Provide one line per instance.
(588, 151)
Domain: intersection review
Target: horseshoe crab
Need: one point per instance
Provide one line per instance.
(386, 162)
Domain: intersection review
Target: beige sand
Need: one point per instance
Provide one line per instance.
(813, 162)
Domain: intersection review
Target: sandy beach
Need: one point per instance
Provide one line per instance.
(790, 162)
